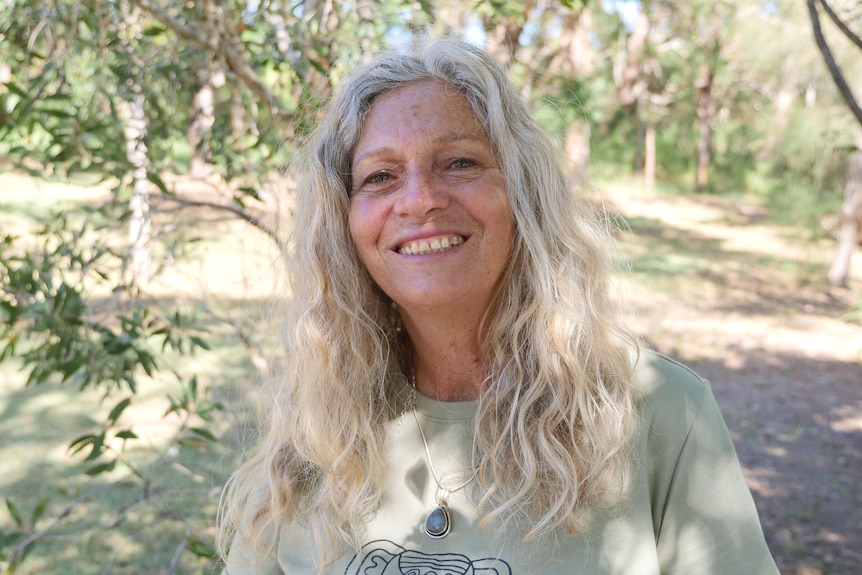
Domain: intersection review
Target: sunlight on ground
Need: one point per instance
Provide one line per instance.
(708, 286)
(227, 276)
(24, 195)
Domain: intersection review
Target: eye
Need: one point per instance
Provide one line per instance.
(462, 163)
(377, 178)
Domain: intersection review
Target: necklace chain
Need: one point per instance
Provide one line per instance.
(438, 523)
(443, 493)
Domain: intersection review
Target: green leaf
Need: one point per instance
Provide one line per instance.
(120, 72)
(57, 96)
(201, 548)
(101, 468)
(205, 433)
(208, 407)
(39, 510)
(81, 442)
(16, 516)
(192, 443)
(98, 447)
(69, 368)
(426, 7)
(56, 113)
(147, 362)
(318, 66)
(250, 191)
(118, 410)
(127, 434)
(154, 30)
(200, 342)
(157, 180)
(17, 91)
(130, 381)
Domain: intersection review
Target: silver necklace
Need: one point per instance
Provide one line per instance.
(438, 523)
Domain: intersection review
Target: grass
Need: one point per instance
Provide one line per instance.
(119, 522)
(115, 526)
(728, 243)
(113, 520)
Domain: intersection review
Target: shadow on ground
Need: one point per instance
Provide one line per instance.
(747, 308)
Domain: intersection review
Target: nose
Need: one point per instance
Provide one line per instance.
(421, 195)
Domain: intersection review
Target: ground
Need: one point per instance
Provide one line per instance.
(745, 305)
(714, 285)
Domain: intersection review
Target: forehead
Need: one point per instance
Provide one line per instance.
(418, 113)
(422, 99)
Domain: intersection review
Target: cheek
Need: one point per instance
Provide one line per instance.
(361, 225)
(503, 220)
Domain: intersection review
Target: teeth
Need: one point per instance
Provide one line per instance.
(430, 246)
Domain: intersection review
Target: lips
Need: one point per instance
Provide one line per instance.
(430, 245)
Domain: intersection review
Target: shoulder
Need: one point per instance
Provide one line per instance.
(666, 390)
(658, 379)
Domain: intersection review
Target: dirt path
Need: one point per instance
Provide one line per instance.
(742, 302)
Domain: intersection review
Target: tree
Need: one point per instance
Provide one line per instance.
(144, 93)
(708, 31)
(109, 87)
(851, 208)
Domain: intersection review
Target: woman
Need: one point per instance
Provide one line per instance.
(459, 397)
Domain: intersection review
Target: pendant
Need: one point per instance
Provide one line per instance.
(439, 522)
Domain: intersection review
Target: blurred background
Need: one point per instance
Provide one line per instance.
(145, 203)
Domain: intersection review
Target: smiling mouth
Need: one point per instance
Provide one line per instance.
(430, 245)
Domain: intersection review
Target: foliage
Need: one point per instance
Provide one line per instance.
(68, 312)
(70, 68)
(810, 168)
(66, 319)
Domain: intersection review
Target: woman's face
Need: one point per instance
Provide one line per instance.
(429, 211)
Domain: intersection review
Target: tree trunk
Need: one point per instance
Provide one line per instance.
(649, 157)
(627, 68)
(578, 150)
(782, 103)
(705, 96)
(140, 224)
(200, 129)
(502, 37)
(135, 133)
(851, 215)
(705, 114)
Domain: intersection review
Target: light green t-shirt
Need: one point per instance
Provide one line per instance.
(689, 511)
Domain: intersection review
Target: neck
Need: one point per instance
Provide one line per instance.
(447, 362)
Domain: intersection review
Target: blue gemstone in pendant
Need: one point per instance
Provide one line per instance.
(438, 523)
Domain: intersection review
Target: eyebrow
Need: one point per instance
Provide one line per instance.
(443, 139)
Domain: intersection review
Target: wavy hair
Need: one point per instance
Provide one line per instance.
(556, 415)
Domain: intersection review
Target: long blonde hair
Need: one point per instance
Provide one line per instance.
(556, 416)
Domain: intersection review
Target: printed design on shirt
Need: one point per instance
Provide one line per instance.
(384, 557)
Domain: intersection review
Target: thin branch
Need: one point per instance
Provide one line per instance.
(18, 548)
(841, 25)
(834, 70)
(227, 52)
(240, 213)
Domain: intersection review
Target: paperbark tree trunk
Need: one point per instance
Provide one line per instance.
(200, 128)
(140, 222)
(135, 133)
(851, 209)
(650, 159)
(851, 216)
(578, 150)
(503, 35)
